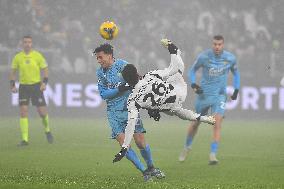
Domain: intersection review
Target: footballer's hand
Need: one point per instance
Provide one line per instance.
(42, 87)
(124, 87)
(154, 114)
(196, 88)
(235, 94)
(14, 89)
(120, 155)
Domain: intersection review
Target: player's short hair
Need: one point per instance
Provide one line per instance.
(106, 48)
(27, 36)
(130, 74)
(218, 37)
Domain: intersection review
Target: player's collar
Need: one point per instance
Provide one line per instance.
(218, 55)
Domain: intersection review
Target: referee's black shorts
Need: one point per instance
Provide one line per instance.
(33, 92)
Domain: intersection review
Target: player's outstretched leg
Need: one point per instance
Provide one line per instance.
(169, 45)
(207, 119)
(186, 114)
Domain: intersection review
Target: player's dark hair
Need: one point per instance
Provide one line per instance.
(106, 48)
(130, 74)
(218, 37)
(27, 36)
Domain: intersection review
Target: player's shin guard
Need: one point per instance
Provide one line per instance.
(24, 124)
(131, 155)
(146, 154)
(45, 122)
(214, 147)
(188, 141)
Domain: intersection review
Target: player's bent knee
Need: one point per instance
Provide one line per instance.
(140, 140)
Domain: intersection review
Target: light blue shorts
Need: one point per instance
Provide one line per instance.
(217, 104)
(118, 121)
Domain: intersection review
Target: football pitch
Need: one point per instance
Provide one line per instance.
(251, 155)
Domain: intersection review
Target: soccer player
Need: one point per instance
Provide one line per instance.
(114, 90)
(157, 91)
(211, 94)
(29, 63)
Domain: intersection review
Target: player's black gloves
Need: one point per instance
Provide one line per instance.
(120, 155)
(197, 89)
(154, 114)
(235, 94)
(124, 87)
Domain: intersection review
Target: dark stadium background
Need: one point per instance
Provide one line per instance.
(66, 32)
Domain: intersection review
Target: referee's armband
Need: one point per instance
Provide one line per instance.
(45, 80)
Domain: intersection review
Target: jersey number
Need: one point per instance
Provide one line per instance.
(156, 90)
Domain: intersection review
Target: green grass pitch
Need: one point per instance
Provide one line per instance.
(251, 155)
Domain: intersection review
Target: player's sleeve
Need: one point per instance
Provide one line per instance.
(175, 66)
(15, 63)
(105, 92)
(236, 74)
(41, 61)
(132, 119)
(196, 65)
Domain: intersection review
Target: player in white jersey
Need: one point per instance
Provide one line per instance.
(157, 91)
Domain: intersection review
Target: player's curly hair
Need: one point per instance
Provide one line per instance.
(130, 74)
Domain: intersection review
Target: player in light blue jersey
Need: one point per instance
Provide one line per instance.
(115, 91)
(211, 94)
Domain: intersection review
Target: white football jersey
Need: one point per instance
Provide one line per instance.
(160, 89)
(152, 92)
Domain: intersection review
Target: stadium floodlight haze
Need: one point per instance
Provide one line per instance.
(66, 32)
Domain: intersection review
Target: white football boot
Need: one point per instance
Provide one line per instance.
(208, 119)
(212, 159)
(165, 42)
(184, 153)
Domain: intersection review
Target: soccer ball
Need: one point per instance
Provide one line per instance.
(108, 30)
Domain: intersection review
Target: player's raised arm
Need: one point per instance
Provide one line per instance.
(192, 71)
(111, 93)
(132, 118)
(191, 74)
(236, 80)
(176, 65)
(107, 93)
(129, 130)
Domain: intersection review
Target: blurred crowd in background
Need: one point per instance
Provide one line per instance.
(66, 32)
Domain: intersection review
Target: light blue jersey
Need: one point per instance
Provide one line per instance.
(215, 69)
(108, 81)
